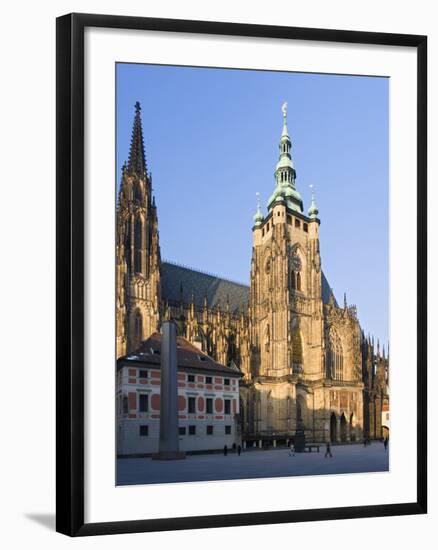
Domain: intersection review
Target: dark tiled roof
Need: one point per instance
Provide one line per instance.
(201, 285)
(188, 356)
(216, 289)
(326, 291)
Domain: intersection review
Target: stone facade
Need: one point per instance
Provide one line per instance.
(305, 362)
(138, 260)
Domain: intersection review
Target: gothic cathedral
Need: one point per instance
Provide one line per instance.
(306, 363)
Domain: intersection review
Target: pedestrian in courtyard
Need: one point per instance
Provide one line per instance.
(385, 443)
(239, 449)
(292, 450)
(234, 447)
(225, 450)
(328, 451)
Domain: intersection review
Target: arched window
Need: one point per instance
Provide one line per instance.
(267, 339)
(138, 327)
(335, 358)
(138, 246)
(297, 350)
(128, 244)
(292, 280)
(298, 281)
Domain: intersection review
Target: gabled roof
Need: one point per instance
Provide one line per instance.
(217, 290)
(201, 285)
(188, 356)
(326, 291)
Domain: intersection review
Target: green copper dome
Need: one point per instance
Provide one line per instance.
(293, 199)
(313, 210)
(278, 193)
(258, 216)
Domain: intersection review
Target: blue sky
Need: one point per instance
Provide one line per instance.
(211, 140)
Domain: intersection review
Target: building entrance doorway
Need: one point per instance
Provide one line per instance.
(333, 426)
(352, 430)
(343, 427)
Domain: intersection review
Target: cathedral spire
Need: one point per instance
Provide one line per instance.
(137, 159)
(285, 174)
(313, 210)
(258, 217)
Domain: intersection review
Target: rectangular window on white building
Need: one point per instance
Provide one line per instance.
(143, 374)
(208, 380)
(144, 431)
(192, 430)
(144, 402)
(226, 381)
(192, 404)
(227, 430)
(209, 405)
(227, 405)
(190, 377)
(209, 430)
(182, 430)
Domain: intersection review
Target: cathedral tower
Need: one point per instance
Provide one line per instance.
(285, 296)
(137, 249)
(303, 357)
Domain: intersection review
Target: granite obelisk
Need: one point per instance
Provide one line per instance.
(169, 438)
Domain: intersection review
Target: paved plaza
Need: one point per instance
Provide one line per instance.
(254, 463)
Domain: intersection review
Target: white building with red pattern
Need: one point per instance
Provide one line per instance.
(208, 400)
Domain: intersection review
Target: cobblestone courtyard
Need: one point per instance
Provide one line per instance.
(254, 463)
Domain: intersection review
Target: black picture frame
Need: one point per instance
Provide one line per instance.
(70, 273)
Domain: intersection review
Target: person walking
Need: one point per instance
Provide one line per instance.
(225, 450)
(385, 443)
(328, 451)
(292, 450)
(239, 450)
